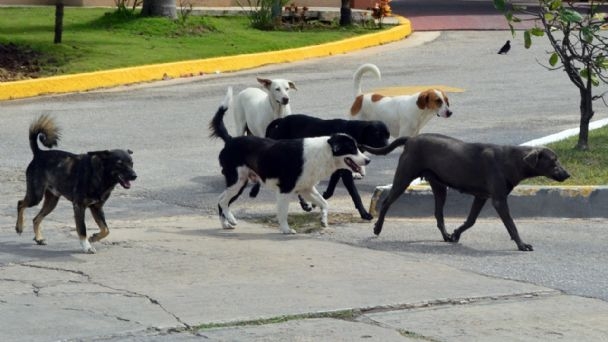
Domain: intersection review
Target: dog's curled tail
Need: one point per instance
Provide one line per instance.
(367, 67)
(401, 141)
(216, 126)
(45, 129)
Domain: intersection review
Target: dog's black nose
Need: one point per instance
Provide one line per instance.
(448, 114)
(367, 161)
(285, 100)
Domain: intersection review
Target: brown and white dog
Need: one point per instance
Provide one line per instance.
(404, 115)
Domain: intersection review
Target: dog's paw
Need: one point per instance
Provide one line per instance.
(454, 237)
(226, 224)
(287, 230)
(41, 242)
(524, 247)
(230, 218)
(86, 247)
(305, 206)
(19, 230)
(357, 175)
(366, 216)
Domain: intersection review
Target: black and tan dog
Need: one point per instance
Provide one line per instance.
(84, 179)
(485, 171)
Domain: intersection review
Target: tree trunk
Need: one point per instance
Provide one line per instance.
(586, 109)
(58, 22)
(159, 8)
(345, 13)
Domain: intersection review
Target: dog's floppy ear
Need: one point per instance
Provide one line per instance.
(292, 85)
(265, 82)
(531, 159)
(423, 100)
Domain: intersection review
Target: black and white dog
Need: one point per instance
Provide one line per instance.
(288, 166)
(295, 126)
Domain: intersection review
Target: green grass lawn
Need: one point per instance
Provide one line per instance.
(100, 39)
(585, 167)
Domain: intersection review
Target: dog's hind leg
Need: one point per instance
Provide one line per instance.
(440, 193)
(314, 196)
(236, 182)
(100, 219)
(81, 228)
(282, 212)
(502, 208)
(33, 196)
(50, 202)
(478, 204)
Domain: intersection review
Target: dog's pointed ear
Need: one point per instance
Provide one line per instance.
(129, 151)
(265, 82)
(292, 85)
(423, 100)
(531, 159)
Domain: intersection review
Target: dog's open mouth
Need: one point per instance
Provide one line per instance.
(354, 167)
(125, 183)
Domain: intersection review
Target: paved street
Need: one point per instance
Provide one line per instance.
(167, 264)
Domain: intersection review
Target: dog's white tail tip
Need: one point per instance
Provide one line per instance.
(227, 98)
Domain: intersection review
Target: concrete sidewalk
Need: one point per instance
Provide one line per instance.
(166, 278)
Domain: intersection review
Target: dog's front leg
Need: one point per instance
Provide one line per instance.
(81, 228)
(282, 212)
(100, 219)
(501, 206)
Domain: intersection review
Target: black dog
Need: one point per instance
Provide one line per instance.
(84, 179)
(286, 166)
(370, 133)
(483, 170)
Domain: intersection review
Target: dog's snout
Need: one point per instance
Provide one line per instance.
(448, 113)
(285, 100)
(133, 175)
(367, 161)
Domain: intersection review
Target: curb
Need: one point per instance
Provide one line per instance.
(147, 73)
(524, 201)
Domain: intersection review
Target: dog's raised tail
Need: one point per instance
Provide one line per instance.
(45, 129)
(365, 68)
(401, 141)
(216, 126)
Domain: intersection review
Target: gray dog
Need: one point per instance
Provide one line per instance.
(483, 170)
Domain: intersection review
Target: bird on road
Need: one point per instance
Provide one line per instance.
(505, 48)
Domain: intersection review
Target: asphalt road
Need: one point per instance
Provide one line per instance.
(507, 99)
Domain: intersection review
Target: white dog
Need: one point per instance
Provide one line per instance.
(403, 115)
(255, 108)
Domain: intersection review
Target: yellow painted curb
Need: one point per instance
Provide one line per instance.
(116, 77)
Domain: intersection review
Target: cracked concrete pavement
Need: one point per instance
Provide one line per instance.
(163, 277)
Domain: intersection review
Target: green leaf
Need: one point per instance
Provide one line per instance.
(527, 39)
(537, 31)
(553, 59)
(570, 16)
(587, 34)
(499, 5)
(555, 5)
(549, 16)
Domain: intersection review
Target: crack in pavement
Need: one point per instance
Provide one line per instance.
(124, 291)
